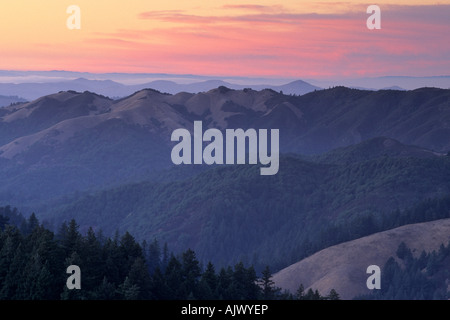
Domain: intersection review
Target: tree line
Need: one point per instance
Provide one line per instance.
(34, 259)
(408, 277)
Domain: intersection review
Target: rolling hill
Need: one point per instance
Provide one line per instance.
(343, 266)
(353, 162)
(70, 141)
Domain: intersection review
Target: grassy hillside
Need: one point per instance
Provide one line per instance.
(343, 267)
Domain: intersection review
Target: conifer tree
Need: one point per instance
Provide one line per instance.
(128, 290)
(139, 277)
(333, 295)
(154, 256)
(3, 222)
(269, 291)
(105, 291)
(174, 277)
(191, 272)
(300, 293)
(208, 283)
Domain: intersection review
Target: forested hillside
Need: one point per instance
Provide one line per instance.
(233, 214)
(33, 263)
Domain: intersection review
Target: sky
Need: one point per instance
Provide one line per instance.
(265, 38)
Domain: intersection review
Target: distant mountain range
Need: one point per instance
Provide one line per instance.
(386, 82)
(31, 85)
(7, 100)
(113, 89)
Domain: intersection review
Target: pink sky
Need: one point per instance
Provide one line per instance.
(271, 39)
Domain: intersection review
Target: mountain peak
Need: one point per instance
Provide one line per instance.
(93, 81)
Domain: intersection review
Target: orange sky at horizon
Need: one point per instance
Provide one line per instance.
(289, 39)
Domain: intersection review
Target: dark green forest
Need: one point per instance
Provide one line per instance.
(234, 207)
(33, 263)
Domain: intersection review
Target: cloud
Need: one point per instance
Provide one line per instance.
(279, 17)
(431, 14)
(174, 16)
(254, 7)
(263, 40)
(111, 41)
(246, 6)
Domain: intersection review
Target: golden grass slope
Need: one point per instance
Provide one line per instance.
(343, 266)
